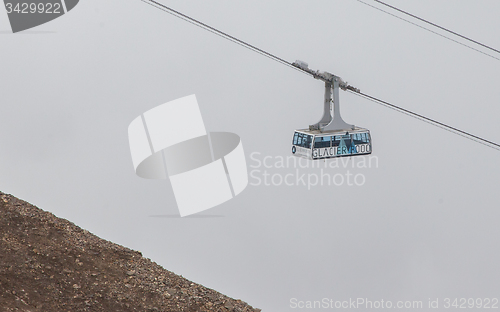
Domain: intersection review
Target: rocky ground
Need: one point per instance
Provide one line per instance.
(50, 264)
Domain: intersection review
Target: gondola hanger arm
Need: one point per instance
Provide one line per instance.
(324, 76)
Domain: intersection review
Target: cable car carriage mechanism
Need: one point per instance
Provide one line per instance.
(331, 136)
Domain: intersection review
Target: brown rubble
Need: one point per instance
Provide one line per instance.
(50, 264)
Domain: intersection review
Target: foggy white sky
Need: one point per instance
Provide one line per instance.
(425, 223)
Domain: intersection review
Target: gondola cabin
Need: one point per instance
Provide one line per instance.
(331, 136)
(316, 144)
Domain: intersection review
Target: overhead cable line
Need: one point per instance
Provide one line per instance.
(435, 25)
(220, 33)
(431, 121)
(434, 32)
(357, 92)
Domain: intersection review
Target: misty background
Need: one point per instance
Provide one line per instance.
(425, 222)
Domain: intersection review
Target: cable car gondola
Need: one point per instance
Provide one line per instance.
(331, 136)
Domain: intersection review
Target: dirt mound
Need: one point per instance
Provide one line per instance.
(50, 264)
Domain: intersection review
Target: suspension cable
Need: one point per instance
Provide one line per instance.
(220, 33)
(433, 122)
(435, 25)
(434, 32)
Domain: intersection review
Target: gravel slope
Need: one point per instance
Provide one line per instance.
(50, 264)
